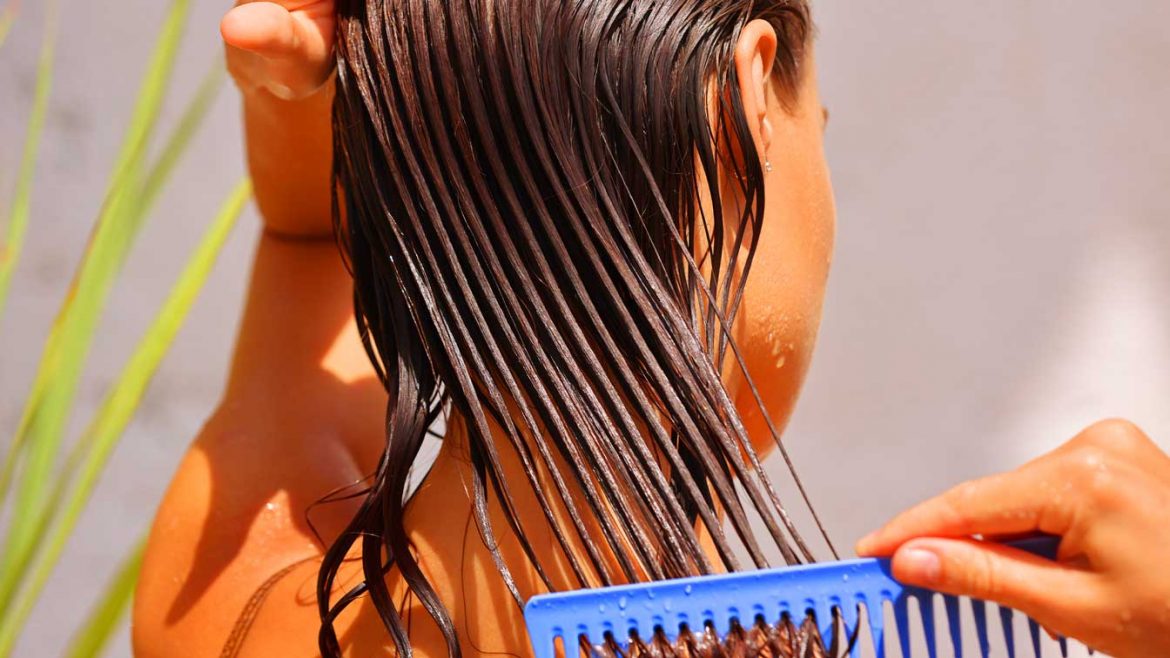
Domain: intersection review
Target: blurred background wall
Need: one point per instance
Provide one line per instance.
(1001, 277)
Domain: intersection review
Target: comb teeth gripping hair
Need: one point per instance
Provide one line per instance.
(772, 593)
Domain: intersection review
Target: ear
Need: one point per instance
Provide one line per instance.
(755, 53)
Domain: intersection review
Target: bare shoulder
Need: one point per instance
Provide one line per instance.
(301, 417)
(231, 564)
(234, 517)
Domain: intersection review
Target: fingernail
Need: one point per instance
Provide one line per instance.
(924, 565)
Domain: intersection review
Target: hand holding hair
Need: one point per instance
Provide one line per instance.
(284, 47)
(1106, 493)
(280, 55)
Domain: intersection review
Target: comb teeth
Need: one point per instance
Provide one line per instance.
(979, 611)
(954, 624)
(772, 593)
(1009, 639)
(716, 600)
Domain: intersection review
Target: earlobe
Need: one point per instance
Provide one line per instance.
(766, 132)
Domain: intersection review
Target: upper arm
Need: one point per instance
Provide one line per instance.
(232, 518)
(301, 416)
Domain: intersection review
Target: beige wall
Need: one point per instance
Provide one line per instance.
(1000, 281)
(1003, 262)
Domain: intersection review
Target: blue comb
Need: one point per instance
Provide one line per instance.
(820, 588)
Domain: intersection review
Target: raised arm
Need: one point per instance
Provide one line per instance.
(302, 412)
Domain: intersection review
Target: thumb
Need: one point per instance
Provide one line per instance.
(1054, 595)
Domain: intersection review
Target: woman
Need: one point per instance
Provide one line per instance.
(551, 210)
(477, 142)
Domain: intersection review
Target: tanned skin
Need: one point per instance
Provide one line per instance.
(231, 564)
(231, 560)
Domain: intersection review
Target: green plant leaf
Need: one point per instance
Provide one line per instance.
(91, 639)
(163, 167)
(180, 138)
(118, 409)
(155, 181)
(18, 214)
(7, 18)
(47, 409)
(188, 125)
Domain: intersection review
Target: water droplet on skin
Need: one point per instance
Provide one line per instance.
(778, 352)
(271, 507)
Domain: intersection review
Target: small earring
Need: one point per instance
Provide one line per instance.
(768, 166)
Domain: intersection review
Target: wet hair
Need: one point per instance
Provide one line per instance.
(781, 639)
(516, 185)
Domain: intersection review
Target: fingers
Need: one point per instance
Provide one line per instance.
(1044, 495)
(269, 30)
(1034, 499)
(1104, 493)
(1056, 596)
(283, 49)
(1122, 441)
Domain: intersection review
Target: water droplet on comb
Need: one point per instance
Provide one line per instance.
(687, 590)
(622, 602)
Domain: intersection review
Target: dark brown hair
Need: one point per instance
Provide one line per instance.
(519, 180)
